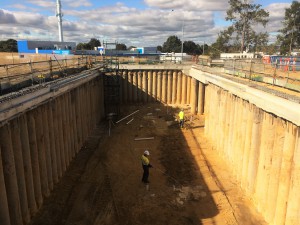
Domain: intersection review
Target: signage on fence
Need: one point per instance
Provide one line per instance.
(61, 52)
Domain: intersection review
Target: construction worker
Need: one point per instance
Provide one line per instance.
(181, 118)
(146, 165)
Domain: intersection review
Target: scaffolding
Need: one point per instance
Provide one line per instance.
(110, 58)
(112, 80)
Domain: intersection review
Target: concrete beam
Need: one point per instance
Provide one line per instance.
(4, 213)
(52, 143)
(275, 169)
(27, 165)
(130, 86)
(34, 159)
(159, 86)
(125, 85)
(179, 87)
(145, 87)
(40, 138)
(285, 173)
(19, 105)
(156, 67)
(150, 84)
(174, 88)
(293, 207)
(193, 97)
(18, 157)
(10, 176)
(140, 86)
(154, 85)
(164, 87)
(269, 103)
(169, 87)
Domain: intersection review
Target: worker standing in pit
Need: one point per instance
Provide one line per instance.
(181, 118)
(146, 165)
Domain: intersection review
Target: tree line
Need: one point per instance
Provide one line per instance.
(9, 45)
(242, 35)
(94, 43)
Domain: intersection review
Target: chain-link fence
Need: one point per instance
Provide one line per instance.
(256, 69)
(154, 59)
(277, 73)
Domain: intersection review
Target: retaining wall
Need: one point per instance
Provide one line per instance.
(170, 87)
(258, 135)
(42, 132)
(39, 142)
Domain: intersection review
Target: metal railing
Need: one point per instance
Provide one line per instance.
(15, 76)
(280, 74)
(140, 59)
(256, 70)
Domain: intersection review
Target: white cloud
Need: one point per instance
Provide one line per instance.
(42, 3)
(129, 25)
(77, 3)
(192, 5)
(6, 17)
(123, 22)
(30, 19)
(18, 6)
(65, 3)
(277, 12)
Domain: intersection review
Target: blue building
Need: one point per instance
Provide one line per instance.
(45, 47)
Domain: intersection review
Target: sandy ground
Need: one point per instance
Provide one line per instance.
(189, 184)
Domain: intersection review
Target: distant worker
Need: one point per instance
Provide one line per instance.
(146, 165)
(181, 118)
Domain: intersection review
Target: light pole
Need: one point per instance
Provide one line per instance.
(203, 45)
(294, 17)
(182, 36)
(182, 40)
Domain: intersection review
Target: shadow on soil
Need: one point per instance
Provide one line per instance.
(103, 183)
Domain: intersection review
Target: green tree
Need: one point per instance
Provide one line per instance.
(191, 48)
(244, 16)
(173, 44)
(223, 42)
(9, 45)
(79, 46)
(159, 48)
(290, 34)
(83, 46)
(272, 49)
(94, 43)
(260, 42)
(121, 47)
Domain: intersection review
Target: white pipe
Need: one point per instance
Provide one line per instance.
(59, 18)
(127, 116)
(140, 139)
(129, 121)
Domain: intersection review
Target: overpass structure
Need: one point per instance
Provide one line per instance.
(254, 128)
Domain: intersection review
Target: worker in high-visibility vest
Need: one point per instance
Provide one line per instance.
(181, 118)
(146, 165)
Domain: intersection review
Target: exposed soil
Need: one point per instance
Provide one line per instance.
(189, 184)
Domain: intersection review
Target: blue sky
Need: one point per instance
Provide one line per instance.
(138, 23)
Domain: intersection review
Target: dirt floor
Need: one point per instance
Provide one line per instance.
(189, 184)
